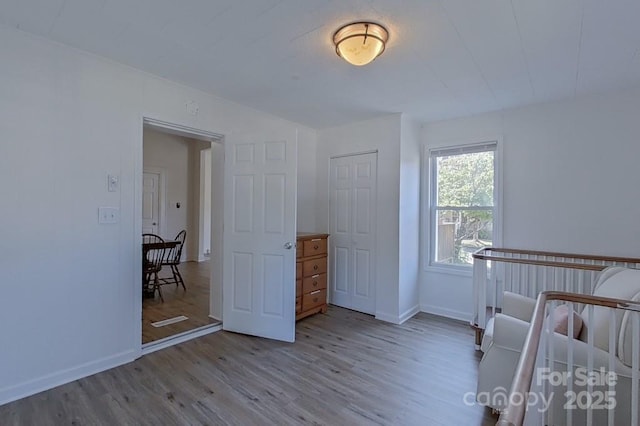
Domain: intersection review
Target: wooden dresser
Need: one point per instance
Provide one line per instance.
(311, 274)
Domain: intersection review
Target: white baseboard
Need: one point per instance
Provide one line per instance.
(445, 312)
(393, 319)
(398, 319)
(409, 313)
(32, 387)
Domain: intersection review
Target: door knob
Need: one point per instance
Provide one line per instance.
(154, 224)
(288, 245)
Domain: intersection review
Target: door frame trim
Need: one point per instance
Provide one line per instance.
(147, 120)
(353, 154)
(182, 130)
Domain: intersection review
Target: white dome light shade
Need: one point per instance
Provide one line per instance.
(361, 42)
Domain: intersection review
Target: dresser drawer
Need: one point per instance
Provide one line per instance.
(314, 282)
(314, 266)
(314, 299)
(298, 287)
(298, 305)
(298, 270)
(315, 247)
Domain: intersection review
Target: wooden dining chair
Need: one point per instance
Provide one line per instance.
(173, 258)
(152, 259)
(151, 238)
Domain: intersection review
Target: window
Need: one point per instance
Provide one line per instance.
(462, 202)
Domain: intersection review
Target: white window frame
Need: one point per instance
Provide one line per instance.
(429, 209)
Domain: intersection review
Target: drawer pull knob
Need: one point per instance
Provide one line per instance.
(315, 247)
(315, 283)
(315, 266)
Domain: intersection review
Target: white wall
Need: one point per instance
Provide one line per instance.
(70, 287)
(383, 135)
(193, 243)
(570, 174)
(409, 220)
(170, 153)
(307, 176)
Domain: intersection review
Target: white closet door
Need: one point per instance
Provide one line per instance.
(352, 204)
(151, 203)
(340, 224)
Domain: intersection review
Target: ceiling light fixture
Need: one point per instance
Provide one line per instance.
(360, 42)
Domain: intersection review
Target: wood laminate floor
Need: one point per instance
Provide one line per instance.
(192, 303)
(345, 368)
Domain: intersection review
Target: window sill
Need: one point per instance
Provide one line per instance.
(450, 270)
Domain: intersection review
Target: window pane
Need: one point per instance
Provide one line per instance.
(460, 233)
(465, 180)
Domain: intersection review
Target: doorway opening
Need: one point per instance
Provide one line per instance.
(182, 183)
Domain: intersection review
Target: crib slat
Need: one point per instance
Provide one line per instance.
(570, 359)
(482, 293)
(590, 342)
(493, 284)
(612, 365)
(635, 345)
(550, 345)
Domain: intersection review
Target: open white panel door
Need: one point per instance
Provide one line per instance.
(259, 235)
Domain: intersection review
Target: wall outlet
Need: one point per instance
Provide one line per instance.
(108, 215)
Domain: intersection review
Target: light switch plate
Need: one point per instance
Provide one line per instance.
(108, 215)
(112, 183)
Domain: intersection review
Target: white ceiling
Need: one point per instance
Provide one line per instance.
(445, 58)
